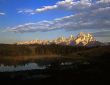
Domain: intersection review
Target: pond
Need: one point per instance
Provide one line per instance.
(28, 66)
(41, 66)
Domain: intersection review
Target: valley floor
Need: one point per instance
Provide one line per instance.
(88, 66)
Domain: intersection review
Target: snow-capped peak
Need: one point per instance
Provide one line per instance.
(82, 39)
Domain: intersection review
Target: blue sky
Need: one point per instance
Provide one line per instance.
(22, 20)
(13, 18)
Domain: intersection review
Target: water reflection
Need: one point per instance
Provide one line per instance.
(66, 63)
(28, 66)
(31, 66)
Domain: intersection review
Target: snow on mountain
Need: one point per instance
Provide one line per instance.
(82, 39)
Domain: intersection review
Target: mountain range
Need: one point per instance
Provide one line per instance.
(82, 39)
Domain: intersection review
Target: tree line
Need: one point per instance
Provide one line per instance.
(35, 49)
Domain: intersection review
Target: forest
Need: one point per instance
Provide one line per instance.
(17, 53)
(35, 49)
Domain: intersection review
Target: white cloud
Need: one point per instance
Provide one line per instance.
(72, 5)
(45, 8)
(94, 19)
(1, 13)
(26, 11)
(66, 4)
(88, 15)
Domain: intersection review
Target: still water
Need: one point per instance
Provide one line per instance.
(29, 66)
(32, 66)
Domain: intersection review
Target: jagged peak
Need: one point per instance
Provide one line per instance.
(82, 37)
(71, 36)
(81, 33)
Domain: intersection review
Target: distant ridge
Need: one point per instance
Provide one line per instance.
(82, 39)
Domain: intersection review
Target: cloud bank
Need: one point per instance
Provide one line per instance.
(88, 14)
(102, 34)
(67, 5)
(75, 5)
